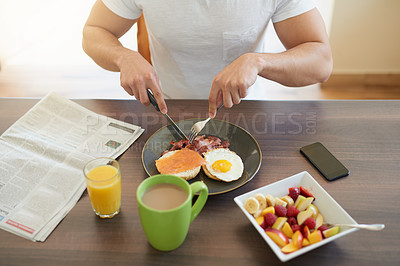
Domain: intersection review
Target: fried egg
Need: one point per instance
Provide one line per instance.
(223, 164)
(184, 163)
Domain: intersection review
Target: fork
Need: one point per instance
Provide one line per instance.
(198, 127)
(372, 227)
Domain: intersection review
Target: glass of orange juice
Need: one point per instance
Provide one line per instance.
(103, 182)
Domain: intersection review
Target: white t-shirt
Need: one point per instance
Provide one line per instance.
(191, 41)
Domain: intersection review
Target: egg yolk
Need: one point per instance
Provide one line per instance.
(222, 166)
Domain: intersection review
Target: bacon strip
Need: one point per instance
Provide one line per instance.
(200, 144)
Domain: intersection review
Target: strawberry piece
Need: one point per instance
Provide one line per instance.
(280, 211)
(322, 228)
(310, 223)
(292, 221)
(264, 224)
(302, 228)
(270, 219)
(305, 192)
(295, 227)
(292, 211)
(294, 192)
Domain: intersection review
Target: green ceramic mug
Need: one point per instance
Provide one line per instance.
(167, 229)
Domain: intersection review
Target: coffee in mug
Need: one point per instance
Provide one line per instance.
(164, 196)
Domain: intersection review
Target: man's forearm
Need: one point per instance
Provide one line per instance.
(303, 65)
(103, 47)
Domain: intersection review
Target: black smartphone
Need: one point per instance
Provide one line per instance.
(327, 164)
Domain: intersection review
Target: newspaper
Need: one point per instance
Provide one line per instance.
(41, 162)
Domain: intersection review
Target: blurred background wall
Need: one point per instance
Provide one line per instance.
(365, 36)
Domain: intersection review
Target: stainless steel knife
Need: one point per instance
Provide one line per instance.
(173, 124)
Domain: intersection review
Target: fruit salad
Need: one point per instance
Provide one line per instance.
(291, 221)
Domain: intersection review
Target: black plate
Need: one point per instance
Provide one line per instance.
(242, 142)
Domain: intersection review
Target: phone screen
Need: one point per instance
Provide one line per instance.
(327, 164)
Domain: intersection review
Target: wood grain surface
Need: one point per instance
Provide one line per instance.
(364, 135)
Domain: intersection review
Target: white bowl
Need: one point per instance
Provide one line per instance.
(328, 207)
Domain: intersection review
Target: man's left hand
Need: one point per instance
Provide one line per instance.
(233, 82)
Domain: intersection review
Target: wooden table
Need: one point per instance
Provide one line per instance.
(364, 135)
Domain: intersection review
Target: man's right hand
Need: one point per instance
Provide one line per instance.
(138, 75)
